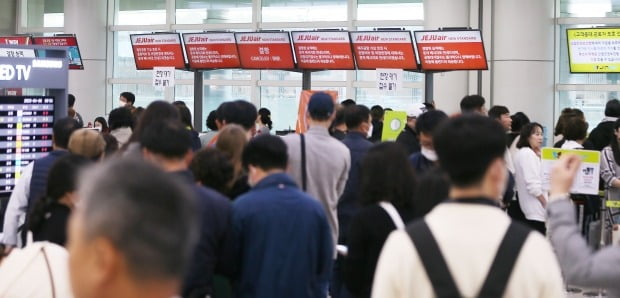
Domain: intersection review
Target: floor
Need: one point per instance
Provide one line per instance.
(580, 293)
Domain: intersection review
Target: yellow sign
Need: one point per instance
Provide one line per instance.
(592, 50)
(393, 124)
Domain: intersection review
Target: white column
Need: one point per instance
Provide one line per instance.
(87, 19)
(449, 87)
(523, 60)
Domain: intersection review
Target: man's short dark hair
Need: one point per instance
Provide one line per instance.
(428, 122)
(472, 103)
(238, 112)
(120, 117)
(348, 103)
(71, 100)
(376, 112)
(212, 168)
(519, 119)
(168, 138)
(211, 124)
(575, 128)
(266, 152)
(131, 98)
(355, 115)
(63, 128)
(496, 112)
(149, 216)
(612, 108)
(466, 147)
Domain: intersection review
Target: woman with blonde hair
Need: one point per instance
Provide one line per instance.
(231, 141)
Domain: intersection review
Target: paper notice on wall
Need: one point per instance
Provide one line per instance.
(163, 77)
(586, 181)
(389, 81)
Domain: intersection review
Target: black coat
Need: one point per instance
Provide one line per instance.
(409, 140)
(601, 135)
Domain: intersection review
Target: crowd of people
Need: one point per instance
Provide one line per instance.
(144, 205)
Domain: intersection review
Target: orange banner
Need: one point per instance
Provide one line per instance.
(157, 50)
(265, 50)
(304, 99)
(211, 50)
(384, 49)
(323, 50)
(451, 50)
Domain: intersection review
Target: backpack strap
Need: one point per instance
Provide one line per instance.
(433, 261)
(505, 259)
(304, 177)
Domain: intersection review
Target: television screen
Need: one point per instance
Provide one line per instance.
(211, 50)
(26, 124)
(593, 50)
(265, 50)
(73, 51)
(451, 50)
(384, 49)
(157, 50)
(323, 50)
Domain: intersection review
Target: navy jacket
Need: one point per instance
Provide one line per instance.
(40, 171)
(349, 201)
(420, 163)
(282, 241)
(214, 250)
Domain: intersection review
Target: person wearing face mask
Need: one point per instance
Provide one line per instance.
(127, 100)
(426, 124)
(528, 176)
(280, 233)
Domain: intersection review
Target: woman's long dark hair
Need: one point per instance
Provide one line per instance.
(265, 117)
(526, 132)
(615, 147)
(62, 179)
(377, 185)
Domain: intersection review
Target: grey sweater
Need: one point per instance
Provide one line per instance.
(581, 265)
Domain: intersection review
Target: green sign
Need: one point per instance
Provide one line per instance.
(393, 124)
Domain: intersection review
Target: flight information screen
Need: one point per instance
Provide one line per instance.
(25, 135)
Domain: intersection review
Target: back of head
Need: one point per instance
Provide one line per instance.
(348, 102)
(145, 214)
(231, 140)
(612, 108)
(472, 103)
(111, 145)
(238, 112)
(131, 98)
(120, 117)
(266, 152)
(166, 138)
(433, 187)
(355, 115)
(398, 187)
(519, 119)
(185, 114)
(496, 112)
(429, 121)
(212, 168)
(211, 124)
(63, 128)
(155, 112)
(71, 100)
(575, 128)
(87, 143)
(376, 112)
(339, 118)
(321, 106)
(265, 117)
(467, 145)
(564, 115)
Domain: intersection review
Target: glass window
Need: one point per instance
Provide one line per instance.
(398, 102)
(304, 11)
(589, 8)
(209, 12)
(371, 75)
(283, 102)
(124, 63)
(41, 13)
(390, 10)
(592, 103)
(141, 12)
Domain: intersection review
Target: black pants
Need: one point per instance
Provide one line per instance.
(538, 226)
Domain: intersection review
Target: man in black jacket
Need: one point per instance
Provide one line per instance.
(603, 133)
(408, 137)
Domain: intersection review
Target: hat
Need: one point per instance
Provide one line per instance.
(321, 105)
(87, 143)
(415, 110)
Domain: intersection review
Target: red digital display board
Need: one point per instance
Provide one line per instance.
(157, 50)
(15, 40)
(323, 50)
(73, 50)
(384, 49)
(451, 50)
(265, 50)
(211, 50)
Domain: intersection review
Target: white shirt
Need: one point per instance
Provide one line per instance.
(528, 180)
(571, 145)
(468, 236)
(15, 214)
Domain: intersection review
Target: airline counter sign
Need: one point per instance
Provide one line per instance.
(323, 50)
(153, 50)
(211, 50)
(384, 49)
(451, 50)
(265, 50)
